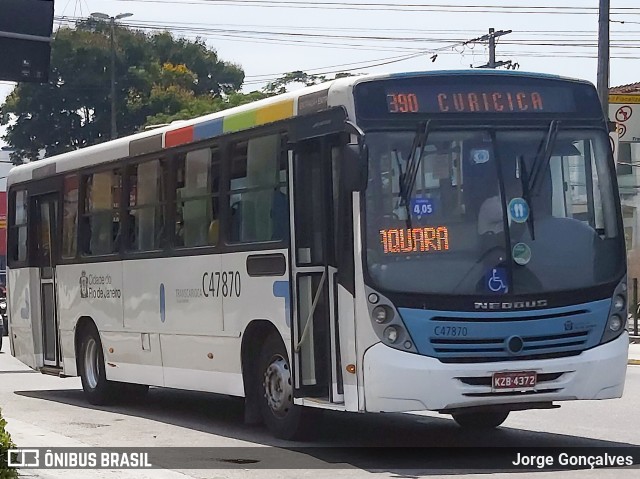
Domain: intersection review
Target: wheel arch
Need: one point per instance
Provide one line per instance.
(254, 335)
(82, 325)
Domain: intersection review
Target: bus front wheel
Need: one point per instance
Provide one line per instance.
(282, 418)
(97, 388)
(480, 419)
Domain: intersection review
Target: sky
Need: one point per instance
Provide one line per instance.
(270, 37)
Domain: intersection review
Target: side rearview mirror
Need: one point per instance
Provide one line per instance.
(355, 160)
(354, 169)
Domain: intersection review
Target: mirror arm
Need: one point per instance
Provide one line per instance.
(353, 129)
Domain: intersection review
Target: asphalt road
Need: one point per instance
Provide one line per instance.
(45, 411)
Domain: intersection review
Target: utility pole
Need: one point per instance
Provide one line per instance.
(114, 128)
(104, 16)
(492, 48)
(491, 39)
(603, 55)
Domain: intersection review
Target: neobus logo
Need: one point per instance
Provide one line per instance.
(537, 303)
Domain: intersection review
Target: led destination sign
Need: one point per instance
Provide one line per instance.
(415, 240)
(468, 102)
(475, 95)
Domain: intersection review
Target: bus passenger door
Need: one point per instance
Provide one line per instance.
(315, 332)
(45, 208)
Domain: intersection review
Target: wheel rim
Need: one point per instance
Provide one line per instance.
(91, 363)
(277, 386)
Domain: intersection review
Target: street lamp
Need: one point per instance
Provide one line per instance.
(104, 16)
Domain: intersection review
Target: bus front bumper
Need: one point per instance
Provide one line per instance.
(397, 381)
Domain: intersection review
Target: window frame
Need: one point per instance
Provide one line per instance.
(12, 227)
(83, 212)
(226, 199)
(33, 187)
(165, 169)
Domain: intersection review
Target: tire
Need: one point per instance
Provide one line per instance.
(480, 420)
(97, 388)
(275, 385)
(0, 341)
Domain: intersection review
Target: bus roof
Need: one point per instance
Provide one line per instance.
(303, 101)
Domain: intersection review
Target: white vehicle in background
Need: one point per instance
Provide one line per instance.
(447, 241)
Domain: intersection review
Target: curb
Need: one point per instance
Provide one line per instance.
(635, 362)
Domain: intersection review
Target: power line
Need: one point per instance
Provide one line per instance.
(381, 6)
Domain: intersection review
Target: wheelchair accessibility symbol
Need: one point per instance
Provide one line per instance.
(497, 280)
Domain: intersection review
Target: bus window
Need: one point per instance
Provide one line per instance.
(19, 227)
(197, 193)
(70, 218)
(258, 194)
(147, 205)
(100, 227)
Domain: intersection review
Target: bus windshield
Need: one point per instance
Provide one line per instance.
(497, 212)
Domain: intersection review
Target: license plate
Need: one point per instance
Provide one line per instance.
(514, 380)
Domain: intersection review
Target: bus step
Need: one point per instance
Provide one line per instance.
(320, 403)
(51, 371)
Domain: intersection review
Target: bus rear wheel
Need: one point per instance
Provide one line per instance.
(480, 419)
(97, 388)
(283, 419)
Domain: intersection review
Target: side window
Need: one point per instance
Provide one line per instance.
(197, 198)
(258, 191)
(100, 223)
(19, 227)
(147, 206)
(70, 217)
(625, 159)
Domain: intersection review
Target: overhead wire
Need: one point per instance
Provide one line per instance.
(447, 39)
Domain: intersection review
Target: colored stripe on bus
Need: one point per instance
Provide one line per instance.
(239, 121)
(275, 112)
(178, 137)
(208, 129)
(145, 145)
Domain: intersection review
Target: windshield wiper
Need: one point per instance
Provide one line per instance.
(408, 177)
(541, 163)
(522, 173)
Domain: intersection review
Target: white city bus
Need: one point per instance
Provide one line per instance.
(445, 241)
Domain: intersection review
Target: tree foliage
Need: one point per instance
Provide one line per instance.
(157, 76)
(159, 79)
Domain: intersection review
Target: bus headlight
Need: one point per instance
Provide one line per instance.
(387, 323)
(619, 302)
(382, 314)
(617, 313)
(615, 323)
(391, 334)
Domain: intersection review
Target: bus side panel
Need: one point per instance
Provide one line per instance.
(24, 322)
(68, 298)
(348, 347)
(263, 296)
(166, 297)
(95, 291)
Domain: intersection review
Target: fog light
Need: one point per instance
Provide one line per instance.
(391, 334)
(407, 344)
(615, 323)
(618, 302)
(381, 314)
(373, 298)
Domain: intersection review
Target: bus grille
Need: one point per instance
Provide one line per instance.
(460, 350)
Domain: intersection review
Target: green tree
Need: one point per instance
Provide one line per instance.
(280, 85)
(194, 106)
(155, 75)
